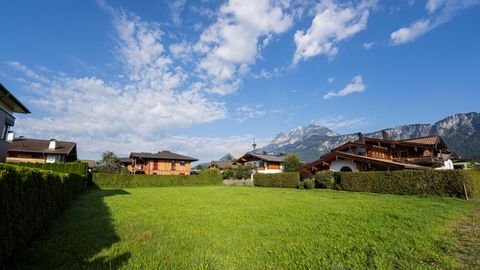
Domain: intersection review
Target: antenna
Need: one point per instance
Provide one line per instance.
(254, 144)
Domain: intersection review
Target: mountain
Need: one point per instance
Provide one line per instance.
(227, 157)
(461, 132)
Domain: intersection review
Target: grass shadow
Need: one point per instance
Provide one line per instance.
(77, 238)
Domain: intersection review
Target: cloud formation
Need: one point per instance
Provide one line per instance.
(356, 86)
(439, 12)
(333, 23)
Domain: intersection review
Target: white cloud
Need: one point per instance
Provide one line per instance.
(331, 80)
(152, 99)
(334, 122)
(356, 86)
(439, 12)
(368, 45)
(176, 8)
(231, 44)
(248, 112)
(332, 23)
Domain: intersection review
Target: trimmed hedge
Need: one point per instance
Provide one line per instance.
(474, 177)
(29, 199)
(282, 180)
(208, 177)
(408, 182)
(78, 167)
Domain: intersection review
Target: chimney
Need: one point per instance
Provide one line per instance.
(361, 139)
(254, 144)
(52, 145)
(385, 135)
(10, 136)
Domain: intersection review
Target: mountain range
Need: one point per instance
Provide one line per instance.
(461, 132)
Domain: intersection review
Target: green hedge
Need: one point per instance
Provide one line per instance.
(325, 180)
(283, 180)
(408, 182)
(78, 167)
(208, 177)
(29, 199)
(474, 177)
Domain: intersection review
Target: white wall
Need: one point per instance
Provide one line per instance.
(337, 165)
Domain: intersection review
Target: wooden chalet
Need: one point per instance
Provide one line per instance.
(40, 151)
(264, 163)
(161, 163)
(221, 165)
(380, 154)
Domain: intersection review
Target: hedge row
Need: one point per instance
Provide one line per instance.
(78, 167)
(283, 180)
(208, 177)
(474, 177)
(29, 199)
(428, 182)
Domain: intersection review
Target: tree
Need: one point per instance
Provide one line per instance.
(291, 163)
(110, 162)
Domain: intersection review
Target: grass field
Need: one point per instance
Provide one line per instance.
(249, 228)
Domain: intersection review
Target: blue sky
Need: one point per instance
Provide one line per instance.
(204, 77)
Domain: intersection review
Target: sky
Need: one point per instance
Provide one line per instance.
(203, 78)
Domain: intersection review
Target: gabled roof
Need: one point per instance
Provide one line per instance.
(267, 158)
(126, 160)
(431, 140)
(161, 155)
(11, 101)
(40, 146)
(221, 164)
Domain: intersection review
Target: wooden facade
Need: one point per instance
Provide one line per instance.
(374, 154)
(262, 162)
(161, 163)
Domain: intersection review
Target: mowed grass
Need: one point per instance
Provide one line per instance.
(248, 228)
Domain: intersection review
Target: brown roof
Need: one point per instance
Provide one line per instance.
(8, 98)
(90, 163)
(270, 158)
(424, 140)
(221, 164)
(161, 155)
(126, 160)
(40, 146)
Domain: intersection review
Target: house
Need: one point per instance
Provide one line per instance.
(9, 104)
(375, 154)
(264, 163)
(127, 163)
(164, 163)
(40, 151)
(221, 165)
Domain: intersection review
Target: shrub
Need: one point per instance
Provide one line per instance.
(474, 178)
(228, 174)
(286, 180)
(29, 199)
(292, 163)
(207, 177)
(244, 171)
(309, 183)
(407, 182)
(78, 167)
(324, 180)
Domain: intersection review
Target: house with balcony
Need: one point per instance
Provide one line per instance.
(161, 163)
(264, 163)
(9, 104)
(380, 154)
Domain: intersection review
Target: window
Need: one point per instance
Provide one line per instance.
(173, 165)
(182, 163)
(155, 165)
(403, 154)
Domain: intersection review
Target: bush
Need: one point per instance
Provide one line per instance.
(78, 167)
(474, 177)
(228, 174)
(286, 180)
(207, 177)
(29, 199)
(407, 182)
(244, 171)
(309, 183)
(325, 180)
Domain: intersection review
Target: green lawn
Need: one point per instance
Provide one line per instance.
(248, 228)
